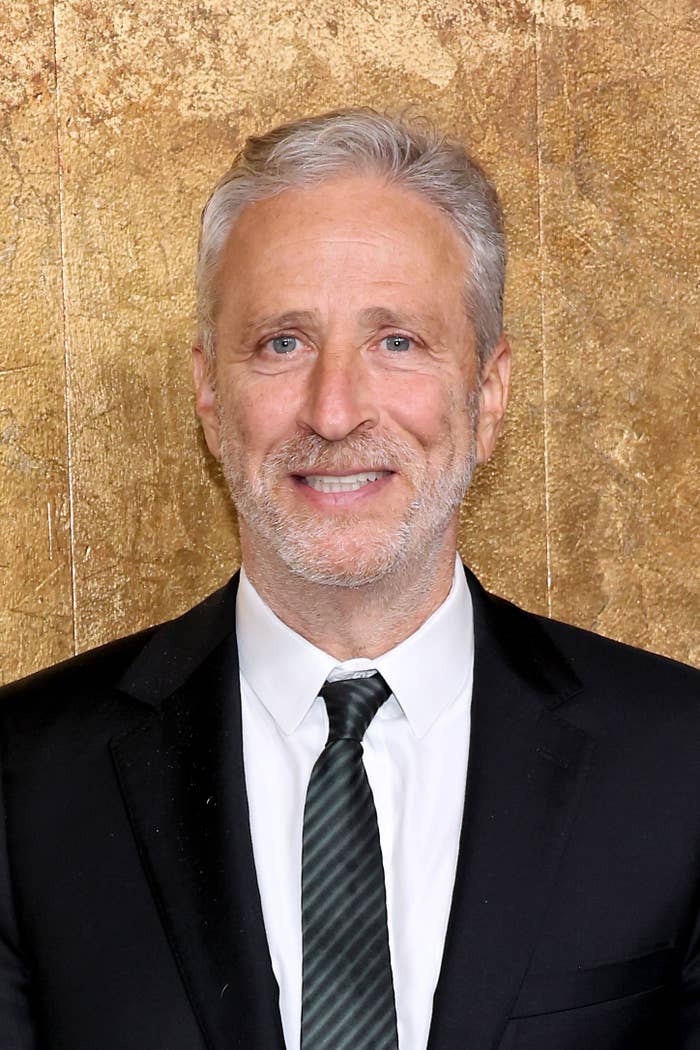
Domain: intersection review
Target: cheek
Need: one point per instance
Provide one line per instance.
(258, 418)
(428, 410)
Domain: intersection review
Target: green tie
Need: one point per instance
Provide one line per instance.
(347, 987)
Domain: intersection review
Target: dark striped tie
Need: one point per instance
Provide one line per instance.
(347, 989)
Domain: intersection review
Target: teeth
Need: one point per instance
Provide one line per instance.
(344, 483)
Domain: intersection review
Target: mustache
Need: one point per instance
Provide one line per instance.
(308, 452)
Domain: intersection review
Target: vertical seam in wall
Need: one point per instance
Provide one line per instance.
(543, 344)
(64, 311)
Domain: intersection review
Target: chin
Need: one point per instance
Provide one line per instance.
(349, 564)
(337, 575)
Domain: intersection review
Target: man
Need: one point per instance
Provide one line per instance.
(351, 800)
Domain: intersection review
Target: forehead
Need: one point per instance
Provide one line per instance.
(359, 230)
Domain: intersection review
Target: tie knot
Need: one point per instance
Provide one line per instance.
(352, 703)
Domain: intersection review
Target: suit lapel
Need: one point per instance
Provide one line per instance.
(182, 779)
(526, 770)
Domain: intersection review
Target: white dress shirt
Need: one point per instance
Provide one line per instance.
(415, 754)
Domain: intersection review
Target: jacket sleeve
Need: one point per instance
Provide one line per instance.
(690, 993)
(17, 1028)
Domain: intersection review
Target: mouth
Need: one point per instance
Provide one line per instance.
(342, 482)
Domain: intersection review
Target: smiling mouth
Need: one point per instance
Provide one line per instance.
(343, 482)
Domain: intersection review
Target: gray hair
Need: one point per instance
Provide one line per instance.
(413, 155)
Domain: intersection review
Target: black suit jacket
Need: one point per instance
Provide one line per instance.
(130, 917)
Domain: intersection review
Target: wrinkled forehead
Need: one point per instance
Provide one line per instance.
(350, 234)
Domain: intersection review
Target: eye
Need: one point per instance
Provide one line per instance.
(283, 344)
(397, 343)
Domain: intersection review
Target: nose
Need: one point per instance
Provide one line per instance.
(338, 397)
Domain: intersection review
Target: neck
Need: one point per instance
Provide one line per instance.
(364, 621)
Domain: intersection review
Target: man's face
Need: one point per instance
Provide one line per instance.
(345, 402)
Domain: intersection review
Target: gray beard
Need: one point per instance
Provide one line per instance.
(301, 545)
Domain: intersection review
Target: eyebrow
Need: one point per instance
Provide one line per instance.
(290, 319)
(383, 317)
(371, 317)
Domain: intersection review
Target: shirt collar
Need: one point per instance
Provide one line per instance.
(426, 672)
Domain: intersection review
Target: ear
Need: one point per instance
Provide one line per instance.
(493, 398)
(205, 399)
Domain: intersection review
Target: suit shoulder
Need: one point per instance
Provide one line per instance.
(564, 660)
(86, 676)
(578, 643)
(97, 673)
(625, 685)
(595, 653)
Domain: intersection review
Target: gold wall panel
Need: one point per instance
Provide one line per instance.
(36, 619)
(582, 516)
(619, 147)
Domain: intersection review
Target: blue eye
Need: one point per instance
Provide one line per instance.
(284, 344)
(399, 343)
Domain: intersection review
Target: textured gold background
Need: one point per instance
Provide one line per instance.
(116, 118)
